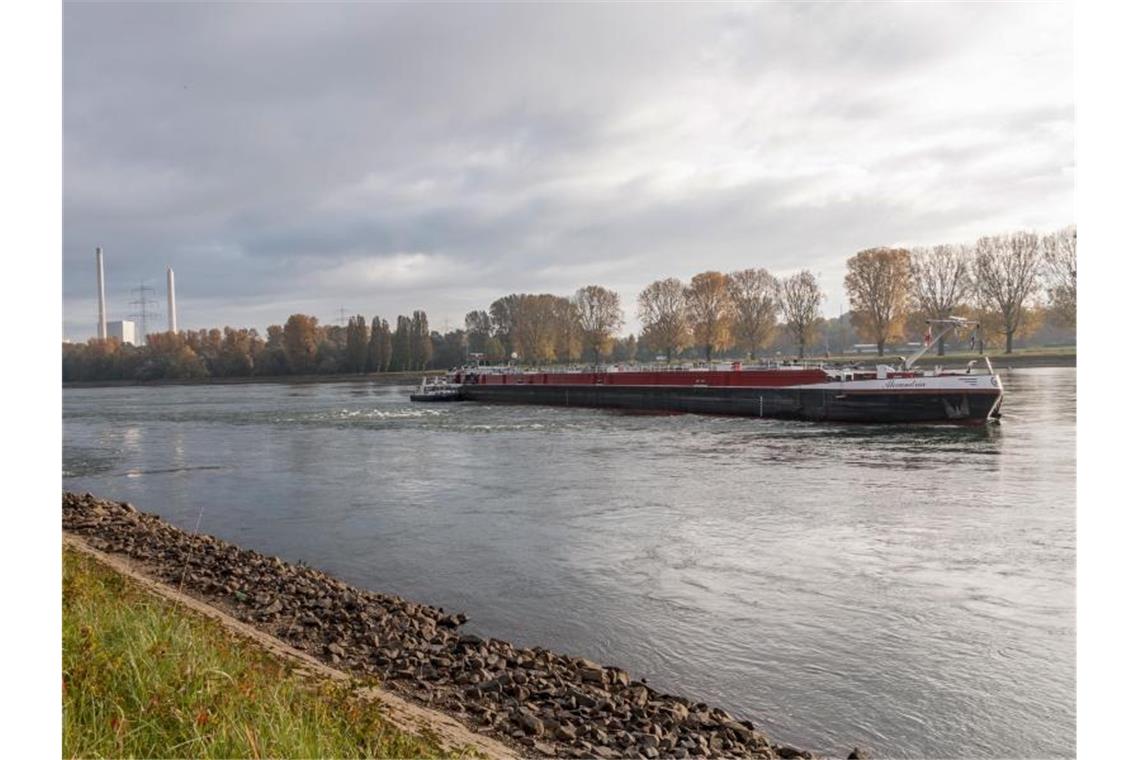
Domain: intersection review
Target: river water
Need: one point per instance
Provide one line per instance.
(906, 590)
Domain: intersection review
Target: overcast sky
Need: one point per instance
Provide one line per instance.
(383, 158)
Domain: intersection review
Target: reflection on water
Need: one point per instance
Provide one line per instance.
(907, 589)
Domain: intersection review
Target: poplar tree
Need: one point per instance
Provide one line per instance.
(374, 343)
(420, 340)
(385, 346)
(357, 344)
(402, 344)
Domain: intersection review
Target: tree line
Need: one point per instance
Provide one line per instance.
(1010, 283)
(999, 281)
(302, 346)
(892, 291)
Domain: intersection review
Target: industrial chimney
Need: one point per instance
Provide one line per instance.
(102, 327)
(171, 314)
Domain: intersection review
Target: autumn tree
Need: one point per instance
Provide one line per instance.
(755, 296)
(709, 306)
(1006, 272)
(236, 356)
(599, 317)
(664, 318)
(535, 333)
(172, 357)
(878, 284)
(800, 299)
(207, 346)
(1059, 258)
(940, 281)
(300, 343)
(103, 359)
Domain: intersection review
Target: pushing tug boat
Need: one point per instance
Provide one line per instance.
(436, 389)
(814, 392)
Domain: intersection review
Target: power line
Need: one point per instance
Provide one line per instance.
(143, 304)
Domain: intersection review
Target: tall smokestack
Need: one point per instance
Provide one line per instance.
(171, 314)
(102, 328)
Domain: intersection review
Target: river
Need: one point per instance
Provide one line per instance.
(906, 590)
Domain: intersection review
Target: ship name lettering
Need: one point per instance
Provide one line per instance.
(905, 384)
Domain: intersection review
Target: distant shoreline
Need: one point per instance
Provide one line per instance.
(381, 378)
(1003, 361)
(1000, 362)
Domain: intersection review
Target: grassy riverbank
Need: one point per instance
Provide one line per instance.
(144, 677)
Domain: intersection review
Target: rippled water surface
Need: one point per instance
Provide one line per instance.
(907, 590)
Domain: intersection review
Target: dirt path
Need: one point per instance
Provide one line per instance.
(449, 733)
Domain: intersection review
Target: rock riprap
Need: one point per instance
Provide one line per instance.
(549, 704)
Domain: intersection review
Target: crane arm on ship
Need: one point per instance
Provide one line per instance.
(947, 325)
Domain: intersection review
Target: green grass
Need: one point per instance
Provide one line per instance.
(145, 677)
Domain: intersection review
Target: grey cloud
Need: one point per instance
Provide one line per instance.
(301, 155)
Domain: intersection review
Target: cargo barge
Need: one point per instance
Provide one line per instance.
(821, 393)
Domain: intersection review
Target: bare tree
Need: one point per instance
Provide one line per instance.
(599, 317)
(755, 298)
(1006, 273)
(800, 301)
(1060, 268)
(664, 319)
(504, 322)
(940, 281)
(878, 284)
(568, 330)
(710, 311)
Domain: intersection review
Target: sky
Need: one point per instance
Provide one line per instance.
(381, 158)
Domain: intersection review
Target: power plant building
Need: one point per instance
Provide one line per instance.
(124, 330)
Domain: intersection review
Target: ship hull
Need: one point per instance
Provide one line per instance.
(828, 403)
